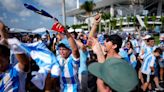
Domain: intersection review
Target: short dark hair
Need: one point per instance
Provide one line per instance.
(159, 50)
(4, 51)
(151, 38)
(115, 39)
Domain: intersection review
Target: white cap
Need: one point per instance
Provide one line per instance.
(146, 37)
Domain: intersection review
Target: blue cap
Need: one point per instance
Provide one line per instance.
(64, 43)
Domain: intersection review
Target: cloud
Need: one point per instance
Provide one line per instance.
(23, 19)
(71, 4)
(47, 3)
(41, 23)
(11, 5)
(56, 3)
(14, 20)
(98, 0)
(25, 13)
(16, 7)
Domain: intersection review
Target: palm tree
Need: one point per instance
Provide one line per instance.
(88, 7)
(128, 20)
(162, 20)
(121, 23)
(106, 16)
(153, 19)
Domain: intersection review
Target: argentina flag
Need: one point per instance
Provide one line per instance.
(43, 57)
(38, 51)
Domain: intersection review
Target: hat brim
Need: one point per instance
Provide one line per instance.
(95, 69)
(62, 45)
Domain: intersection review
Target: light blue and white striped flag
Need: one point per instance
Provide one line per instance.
(43, 57)
(38, 51)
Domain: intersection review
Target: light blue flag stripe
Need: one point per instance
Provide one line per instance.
(40, 53)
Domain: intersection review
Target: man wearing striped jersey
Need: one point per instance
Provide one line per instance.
(147, 68)
(12, 79)
(69, 61)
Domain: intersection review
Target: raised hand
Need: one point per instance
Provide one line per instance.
(3, 34)
(97, 19)
(93, 42)
(96, 47)
(96, 22)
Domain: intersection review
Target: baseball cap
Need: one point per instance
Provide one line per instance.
(146, 37)
(64, 43)
(116, 73)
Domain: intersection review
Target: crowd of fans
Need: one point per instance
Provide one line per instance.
(87, 62)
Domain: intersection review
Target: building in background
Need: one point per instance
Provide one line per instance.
(120, 8)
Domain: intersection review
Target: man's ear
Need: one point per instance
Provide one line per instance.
(114, 46)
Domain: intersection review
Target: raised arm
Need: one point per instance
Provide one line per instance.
(96, 47)
(24, 63)
(97, 19)
(22, 59)
(75, 50)
(81, 45)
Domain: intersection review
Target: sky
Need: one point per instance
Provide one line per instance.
(15, 15)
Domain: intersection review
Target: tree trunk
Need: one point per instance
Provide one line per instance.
(109, 28)
(106, 29)
(89, 29)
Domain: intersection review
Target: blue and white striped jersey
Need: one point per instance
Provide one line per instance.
(149, 61)
(147, 50)
(9, 81)
(69, 74)
(13, 80)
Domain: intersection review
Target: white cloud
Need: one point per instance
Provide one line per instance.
(41, 23)
(15, 6)
(98, 0)
(23, 19)
(71, 3)
(25, 13)
(14, 20)
(54, 3)
(11, 5)
(47, 3)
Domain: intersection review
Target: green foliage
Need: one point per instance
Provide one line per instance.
(146, 21)
(88, 6)
(156, 40)
(78, 26)
(113, 23)
(153, 19)
(134, 20)
(105, 16)
(121, 21)
(128, 19)
(162, 20)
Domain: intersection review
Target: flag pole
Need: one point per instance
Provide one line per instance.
(63, 12)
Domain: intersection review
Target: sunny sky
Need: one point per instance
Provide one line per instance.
(15, 15)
